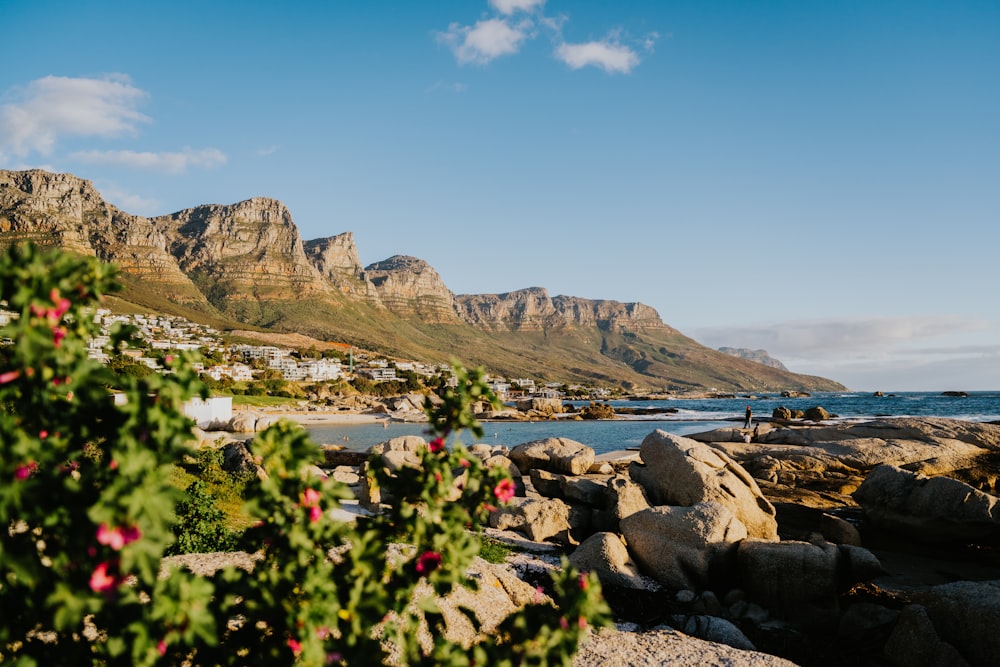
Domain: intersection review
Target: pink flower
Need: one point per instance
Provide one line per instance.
(581, 622)
(101, 581)
(563, 623)
(333, 657)
(504, 491)
(315, 513)
(43, 434)
(437, 476)
(62, 304)
(436, 445)
(116, 538)
(465, 463)
(428, 562)
(295, 646)
(9, 376)
(58, 333)
(169, 358)
(309, 497)
(161, 647)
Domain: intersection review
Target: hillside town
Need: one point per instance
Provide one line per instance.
(230, 363)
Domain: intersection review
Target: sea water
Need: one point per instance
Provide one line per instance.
(683, 417)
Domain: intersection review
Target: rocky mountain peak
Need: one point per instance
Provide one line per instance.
(410, 286)
(62, 210)
(336, 259)
(247, 251)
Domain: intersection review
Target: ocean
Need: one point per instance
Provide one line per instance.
(684, 416)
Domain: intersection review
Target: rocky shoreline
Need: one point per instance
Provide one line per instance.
(874, 543)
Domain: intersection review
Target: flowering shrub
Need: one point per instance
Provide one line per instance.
(88, 512)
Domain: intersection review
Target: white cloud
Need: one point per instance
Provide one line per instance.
(510, 6)
(129, 202)
(172, 163)
(607, 55)
(891, 354)
(56, 106)
(839, 339)
(487, 40)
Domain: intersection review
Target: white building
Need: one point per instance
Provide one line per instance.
(215, 410)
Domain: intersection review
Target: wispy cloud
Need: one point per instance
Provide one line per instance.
(54, 106)
(127, 201)
(485, 41)
(508, 7)
(171, 163)
(840, 339)
(607, 55)
(899, 354)
(491, 38)
(268, 150)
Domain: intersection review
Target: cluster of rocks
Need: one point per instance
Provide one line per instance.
(748, 544)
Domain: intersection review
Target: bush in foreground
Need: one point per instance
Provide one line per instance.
(89, 511)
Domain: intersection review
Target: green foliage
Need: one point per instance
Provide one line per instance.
(201, 525)
(494, 551)
(89, 511)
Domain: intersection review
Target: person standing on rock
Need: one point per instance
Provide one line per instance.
(746, 424)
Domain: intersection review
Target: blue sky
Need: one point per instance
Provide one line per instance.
(817, 179)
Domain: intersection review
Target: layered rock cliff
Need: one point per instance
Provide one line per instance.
(410, 286)
(247, 261)
(336, 259)
(61, 210)
(532, 309)
(250, 250)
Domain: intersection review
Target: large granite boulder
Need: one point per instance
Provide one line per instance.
(606, 555)
(914, 642)
(680, 471)
(622, 498)
(585, 490)
(929, 509)
(558, 455)
(684, 547)
(665, 647)
(543, 519)
(239, 461)
(966, 614)
(802, 581)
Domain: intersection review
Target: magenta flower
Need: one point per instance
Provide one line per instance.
(504, 491)
(295, 646)
(161, 647)
(24, 472)
(315, 512)
(9, 376)
(436, 445)
(428, 562)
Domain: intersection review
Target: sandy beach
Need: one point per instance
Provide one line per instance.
(314, 418)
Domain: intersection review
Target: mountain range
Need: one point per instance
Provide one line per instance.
(245, 265)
